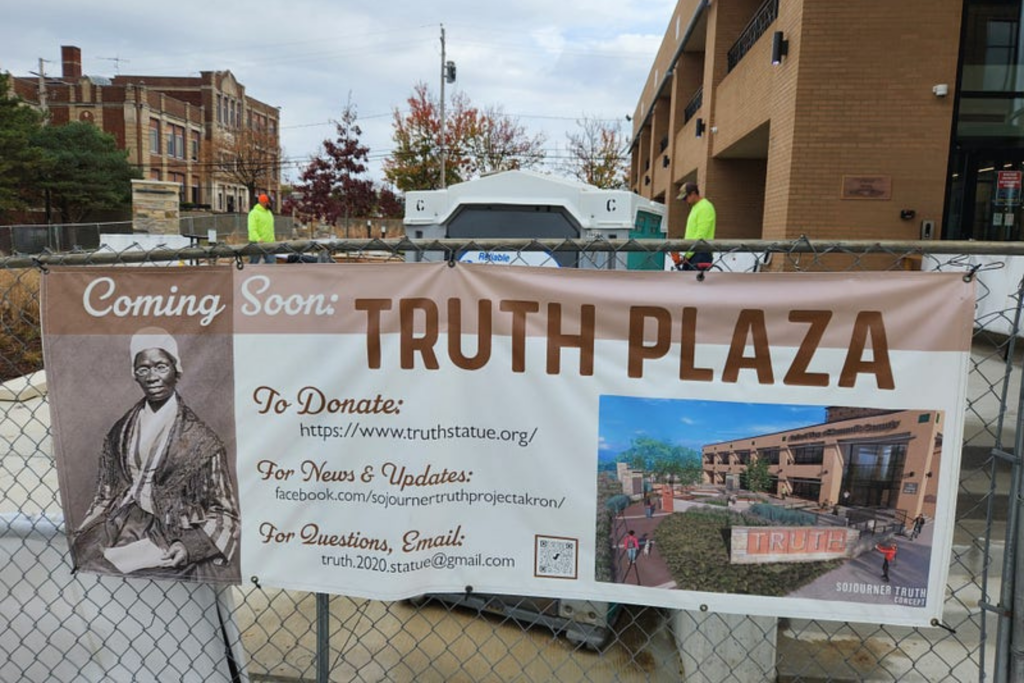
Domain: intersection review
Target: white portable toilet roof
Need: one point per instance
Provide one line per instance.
(592, 207)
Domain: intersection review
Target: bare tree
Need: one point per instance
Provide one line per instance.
(597, 154)
(248, 156)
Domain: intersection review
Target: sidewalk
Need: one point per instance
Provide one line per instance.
(650, 568)
(860, 579)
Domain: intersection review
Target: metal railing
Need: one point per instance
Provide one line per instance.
(759, 23)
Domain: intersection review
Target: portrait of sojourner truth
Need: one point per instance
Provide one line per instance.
(165, 502)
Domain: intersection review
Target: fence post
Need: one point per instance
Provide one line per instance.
(1010, 631)
(323, 638)
(721, 647)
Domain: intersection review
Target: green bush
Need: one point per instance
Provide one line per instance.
(783, 516)
(695, 546)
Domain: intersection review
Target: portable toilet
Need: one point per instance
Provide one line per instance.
(530, 205)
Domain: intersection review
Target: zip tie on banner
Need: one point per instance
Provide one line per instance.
(256, 582)
(240, 264)
(469, 591)
(939, 624)
(40, 265)
(451, 258)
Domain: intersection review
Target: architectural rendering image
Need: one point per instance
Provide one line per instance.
(832, 503)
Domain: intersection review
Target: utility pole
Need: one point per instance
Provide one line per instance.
(447, 76)
(42, 85)
(444, 76)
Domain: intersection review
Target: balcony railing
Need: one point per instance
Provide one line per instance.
(763, 17)
(694, 105)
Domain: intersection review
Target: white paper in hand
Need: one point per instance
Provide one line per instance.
(141, 554)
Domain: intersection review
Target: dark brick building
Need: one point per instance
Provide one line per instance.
(171, 126)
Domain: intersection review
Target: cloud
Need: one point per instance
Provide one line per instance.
(546, 63)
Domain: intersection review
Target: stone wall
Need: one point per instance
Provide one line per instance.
(155, 207)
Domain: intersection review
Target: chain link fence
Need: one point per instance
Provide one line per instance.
(59, 626)
(199, 228)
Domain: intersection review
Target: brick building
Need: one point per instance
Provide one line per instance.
(838, 120)
(171, 126)
(858, 457)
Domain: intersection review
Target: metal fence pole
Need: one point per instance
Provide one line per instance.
(323, 638)
(1009, 630)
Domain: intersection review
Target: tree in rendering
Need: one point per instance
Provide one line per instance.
(756, 478)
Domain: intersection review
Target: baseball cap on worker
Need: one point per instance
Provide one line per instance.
(688, 189)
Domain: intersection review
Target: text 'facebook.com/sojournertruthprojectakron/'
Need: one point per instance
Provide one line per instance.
(389, 500)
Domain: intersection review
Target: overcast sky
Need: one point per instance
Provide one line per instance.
(546, 62)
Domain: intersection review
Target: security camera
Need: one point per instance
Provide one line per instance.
(940, 90)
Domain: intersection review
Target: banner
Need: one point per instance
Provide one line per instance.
(774, 443)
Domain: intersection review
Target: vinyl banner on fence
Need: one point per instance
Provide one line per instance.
(775, 443)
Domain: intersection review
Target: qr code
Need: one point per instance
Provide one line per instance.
(555, 557)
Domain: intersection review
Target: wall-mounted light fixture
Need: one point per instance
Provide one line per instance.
(780, 47)
(699, 128)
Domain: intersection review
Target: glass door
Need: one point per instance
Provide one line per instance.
(985, 195)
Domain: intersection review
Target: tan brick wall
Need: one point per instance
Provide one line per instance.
(864, 106)
(852, 97)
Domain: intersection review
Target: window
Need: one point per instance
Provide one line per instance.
(154, 174)
(874, 472)
(1000, 55)
(770, 454)
(179, 142)
(803, 488)
(195, 146)
(810, 454)
(178, 178)
(195, 192)
(154, 136)
(743, 457)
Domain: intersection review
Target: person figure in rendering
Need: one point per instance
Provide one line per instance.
(918, 526)
(631, 544)
(261, 228)
(700, 225)
(888, 557)
(165, 505)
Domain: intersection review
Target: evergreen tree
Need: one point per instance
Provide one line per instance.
(82, 169)
(20, 161)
